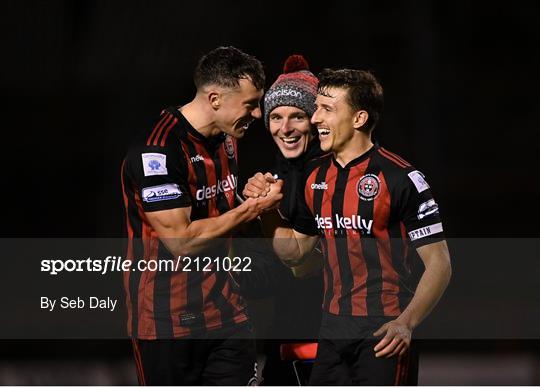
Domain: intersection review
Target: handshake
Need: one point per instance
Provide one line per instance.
(263, 192)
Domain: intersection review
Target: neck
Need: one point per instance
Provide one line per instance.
(358, 145)
(200, 116)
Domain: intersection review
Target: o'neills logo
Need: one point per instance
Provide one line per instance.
(340, 222)
(228, 184)
(319, 186)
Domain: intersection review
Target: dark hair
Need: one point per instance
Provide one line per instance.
(225, 66)
(364, 92)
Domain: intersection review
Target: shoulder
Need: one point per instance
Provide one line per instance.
(391, 162)
(317, 162)
(156, 146)
(395, 169)
(401, 176)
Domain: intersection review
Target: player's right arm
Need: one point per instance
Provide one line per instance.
(158, 178)
(184, 237)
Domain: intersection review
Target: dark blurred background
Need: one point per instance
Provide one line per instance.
(80, 78)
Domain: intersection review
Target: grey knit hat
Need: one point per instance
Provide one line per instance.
(297, 86)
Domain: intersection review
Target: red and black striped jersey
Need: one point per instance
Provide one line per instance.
(368, 214)
(174, 166)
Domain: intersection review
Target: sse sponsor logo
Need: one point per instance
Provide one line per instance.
(207, 192)
(161, 193)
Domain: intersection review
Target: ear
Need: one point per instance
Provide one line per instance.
(360, 118)
(214, 99)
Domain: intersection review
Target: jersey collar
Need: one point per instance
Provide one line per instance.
(211, 142)
(357, 160)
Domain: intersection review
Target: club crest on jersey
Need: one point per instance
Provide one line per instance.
(229, 147)
(368, 187)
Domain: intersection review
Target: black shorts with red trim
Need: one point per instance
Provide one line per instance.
(220, 358)
(345, 355)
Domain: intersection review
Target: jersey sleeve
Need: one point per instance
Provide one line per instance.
(304, 221)
(418, 210)
(159, 176)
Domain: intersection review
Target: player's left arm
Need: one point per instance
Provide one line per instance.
(417, 209)
(435, 279)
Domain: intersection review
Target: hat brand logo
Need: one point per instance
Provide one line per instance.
(285, 92)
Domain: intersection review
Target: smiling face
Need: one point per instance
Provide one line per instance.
(335, 119)
(291, 129)
(238, 107)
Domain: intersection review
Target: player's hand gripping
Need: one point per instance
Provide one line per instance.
(267, 202)
(273, 197)
(258, 185)
(396, 340)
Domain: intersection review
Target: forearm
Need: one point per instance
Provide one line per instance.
(200, 234)
(430, 288)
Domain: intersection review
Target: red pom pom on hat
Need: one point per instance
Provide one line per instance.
(295, 63)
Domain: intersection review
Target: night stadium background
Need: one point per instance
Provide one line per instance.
(80, 78)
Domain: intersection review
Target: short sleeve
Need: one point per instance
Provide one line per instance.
(418, 210)
(159, 176)
(304, 221)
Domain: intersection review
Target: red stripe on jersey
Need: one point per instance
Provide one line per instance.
(138, 362)
(325, 272)
(396, 157)
(167, 131)
(389, 276)
(235, 301)
(399, 365)
(129, 255)
(211, 315)
(192, 177)
(126, 204)
(158, 126)
(333, 262)
(391, 158)
(178, 301)
(145, 296)
(224, 161)
(211, 178)
(402, 369)
(334, 268)
(168, 124)
(354, 242)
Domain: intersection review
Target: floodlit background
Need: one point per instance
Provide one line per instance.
(79, 78)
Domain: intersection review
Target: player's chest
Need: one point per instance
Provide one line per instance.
(212, 175)
(349, 201)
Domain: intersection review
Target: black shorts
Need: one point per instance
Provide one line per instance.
(345, 355)
(225, 359)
